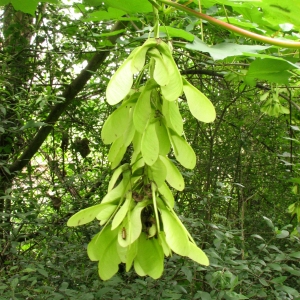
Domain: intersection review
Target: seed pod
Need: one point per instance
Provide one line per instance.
(123, 233)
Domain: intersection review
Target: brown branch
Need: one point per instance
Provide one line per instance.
(69, 95)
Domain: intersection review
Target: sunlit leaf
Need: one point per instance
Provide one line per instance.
(132, 225)
(223, 50)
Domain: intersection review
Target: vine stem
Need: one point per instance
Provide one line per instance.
(243, 32)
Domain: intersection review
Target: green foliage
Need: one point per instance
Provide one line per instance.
(239, 175)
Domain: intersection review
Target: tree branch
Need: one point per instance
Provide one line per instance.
(243, 32)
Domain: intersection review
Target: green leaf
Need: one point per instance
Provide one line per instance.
(279, 12)
(200, 106)
(223, 50)
(116, 124)
(150, 256)
(295, 254)
(174, 177)
(127, 254)
(86, 215)
(269, 222)
(197, 255)
(263, 281)
(162, 240)
(279, 279)
(282, 234)
(202, 296)
(288, 290)
(150, 145)
(137, 141)
(176, 236)
(26, 6)
(33, 124)
(110, 14)
(120, 83)
(172, 116)
(130, 6)
(175, 32)
(276, 71)
(184, 153)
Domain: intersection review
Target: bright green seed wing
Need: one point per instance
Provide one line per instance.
(166, 194)
(116, 152)
(85, 216)
(150, 257)
(200, 106)
(174, 177)
(172, 116)
(184, 153)
(116, 124)
(120, 215)
(142, 111)
(150, 145)
(163, 138)
(120, 83)
(161, 73)
(158, 172)
(103, 247)
(176, 236)
(197, 255)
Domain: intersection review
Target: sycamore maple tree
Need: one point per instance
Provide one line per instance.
(160, 113)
